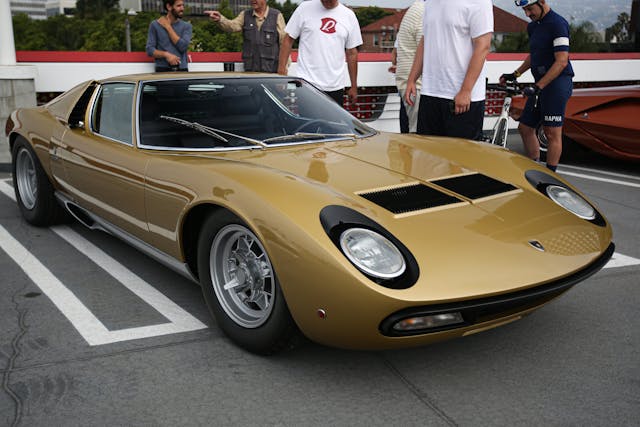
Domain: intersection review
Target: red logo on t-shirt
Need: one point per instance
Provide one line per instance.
(328, 25)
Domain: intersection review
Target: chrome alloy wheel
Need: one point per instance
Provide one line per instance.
(26, 178)
(242, 276)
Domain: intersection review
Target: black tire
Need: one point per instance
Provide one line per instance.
(34, 192)
(254, 313)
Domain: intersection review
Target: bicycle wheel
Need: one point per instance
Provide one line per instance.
(542, 138)
(500, 132)
(543, 142)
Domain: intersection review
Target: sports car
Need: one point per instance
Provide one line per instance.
(299, 220)
(603, 119)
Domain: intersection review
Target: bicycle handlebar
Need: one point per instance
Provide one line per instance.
(512, 88)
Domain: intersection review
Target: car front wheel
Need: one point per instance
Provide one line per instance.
(241, 288)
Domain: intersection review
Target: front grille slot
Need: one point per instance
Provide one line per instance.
(409, 198)
(474, 186)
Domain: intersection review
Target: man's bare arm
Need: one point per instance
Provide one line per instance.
(481, 47)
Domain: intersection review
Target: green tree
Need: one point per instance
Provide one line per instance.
(584, 37)
(63, 33)
(95, 8)
(105, 35)
(226, 10)
(285, 8)
(28, 35)
(621, 30)
(139, 29)
(208, 37)
(513, 42)
(367, 15)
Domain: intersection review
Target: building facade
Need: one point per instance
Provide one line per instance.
(34, 9)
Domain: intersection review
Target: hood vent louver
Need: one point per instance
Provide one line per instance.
(474, 186)
(409, 198)
(415, 197)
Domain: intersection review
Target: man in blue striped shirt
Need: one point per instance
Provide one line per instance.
(169, 38)
(552, 72)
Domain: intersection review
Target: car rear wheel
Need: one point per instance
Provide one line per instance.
(241, 288)
(34, 192)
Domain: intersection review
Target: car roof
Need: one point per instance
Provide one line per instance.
(186, 75)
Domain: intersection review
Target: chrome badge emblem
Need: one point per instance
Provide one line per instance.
(536, 245)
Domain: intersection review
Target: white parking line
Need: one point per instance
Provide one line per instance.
(89, 326)
(600, 171)
(91, 329)
(597, 178)
(619, 260)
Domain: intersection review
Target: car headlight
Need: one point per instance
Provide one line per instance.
(571, 201)
(372, 253)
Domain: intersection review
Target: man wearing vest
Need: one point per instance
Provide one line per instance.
(262, 32)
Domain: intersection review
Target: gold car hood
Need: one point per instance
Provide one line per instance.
(485, 244)
(385, 160)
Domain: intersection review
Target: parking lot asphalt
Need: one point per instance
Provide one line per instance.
(144, 350)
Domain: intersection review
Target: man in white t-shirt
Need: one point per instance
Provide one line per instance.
(328, 31)
(451, 58)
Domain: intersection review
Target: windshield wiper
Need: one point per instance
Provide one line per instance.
(210, 131)
(307, 136)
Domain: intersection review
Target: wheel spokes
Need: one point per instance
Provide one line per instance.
(242, 276)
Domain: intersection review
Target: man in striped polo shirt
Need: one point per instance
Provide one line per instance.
(409, 35)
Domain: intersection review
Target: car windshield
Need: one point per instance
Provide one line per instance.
(240, 113)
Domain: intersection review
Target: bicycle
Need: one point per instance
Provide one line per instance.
(501, 128)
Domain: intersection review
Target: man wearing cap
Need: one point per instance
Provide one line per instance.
(549, 63)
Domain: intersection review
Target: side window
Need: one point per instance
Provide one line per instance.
(112, 111)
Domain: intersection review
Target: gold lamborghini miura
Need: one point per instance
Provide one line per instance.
(297, 218)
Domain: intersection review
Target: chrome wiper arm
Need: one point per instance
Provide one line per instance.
(212, 131)
(197, 126)
(307, 135)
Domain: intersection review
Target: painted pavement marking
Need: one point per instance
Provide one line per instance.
(89, 326)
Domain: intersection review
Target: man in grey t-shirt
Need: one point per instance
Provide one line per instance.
(169, 38)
